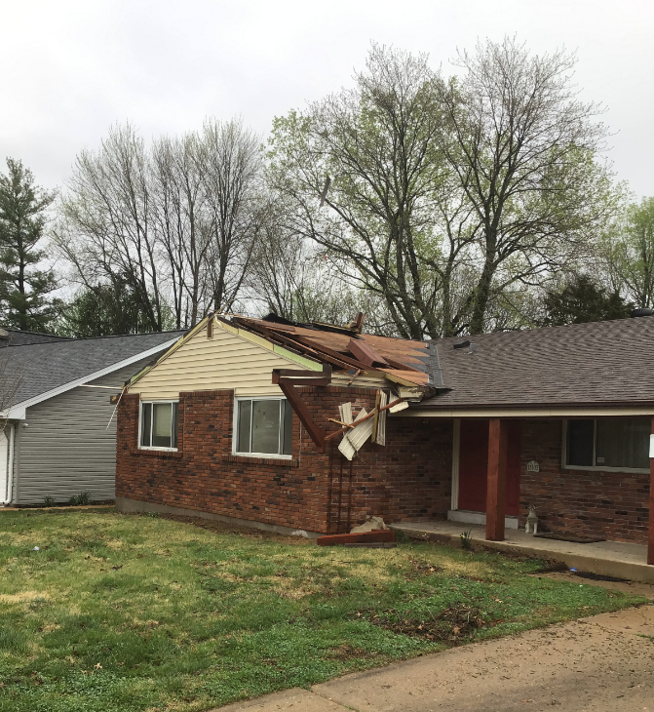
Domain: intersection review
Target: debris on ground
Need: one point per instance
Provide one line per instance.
(454, 625)
(371, 524)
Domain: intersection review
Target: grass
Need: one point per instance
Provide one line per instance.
(126, 613)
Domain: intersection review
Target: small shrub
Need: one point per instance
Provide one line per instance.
(48, 502)
(78, 500)
(466, 540)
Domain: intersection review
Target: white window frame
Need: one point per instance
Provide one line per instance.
(266, 455)
(153, 403)
(592, 468)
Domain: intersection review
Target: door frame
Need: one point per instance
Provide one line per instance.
(455, 514)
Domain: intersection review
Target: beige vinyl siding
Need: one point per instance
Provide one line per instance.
(227, 360)
(65, 447)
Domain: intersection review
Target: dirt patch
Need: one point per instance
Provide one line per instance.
(347, 652)
(454, 625)
(22, 597)
(225, 528)
(425, 567)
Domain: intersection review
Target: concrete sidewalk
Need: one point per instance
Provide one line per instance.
(608, 558)
(604, 663)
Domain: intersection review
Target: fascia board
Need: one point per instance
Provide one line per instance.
(20, 408)
(548, 412)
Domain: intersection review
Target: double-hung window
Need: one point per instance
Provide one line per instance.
(607, 443)
(263, 426)
(158, 425)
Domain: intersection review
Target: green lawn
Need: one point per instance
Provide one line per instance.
(117, 612)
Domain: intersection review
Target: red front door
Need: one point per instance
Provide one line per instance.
(473, 464)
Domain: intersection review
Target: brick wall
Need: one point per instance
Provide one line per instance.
(407, 479)
(612, 505)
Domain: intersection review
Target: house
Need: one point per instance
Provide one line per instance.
(58, 434)
(475, 429)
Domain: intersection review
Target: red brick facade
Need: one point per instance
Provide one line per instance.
(612, 505)
(407, 479)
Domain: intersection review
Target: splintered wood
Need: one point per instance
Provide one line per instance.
(371, 425)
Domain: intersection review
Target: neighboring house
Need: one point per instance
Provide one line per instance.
(59, 427)
(238, 419)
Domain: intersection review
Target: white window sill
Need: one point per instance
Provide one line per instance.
(263, 455)
(601, 468)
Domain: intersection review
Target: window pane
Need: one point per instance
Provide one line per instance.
(175, 423)
(623, 442)
(580, 442)
(146, 422)
(162, 414)
(287, 434)
(243, 426)
(265, 426)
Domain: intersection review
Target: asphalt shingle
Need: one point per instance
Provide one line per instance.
(610, 362)
(40, 367)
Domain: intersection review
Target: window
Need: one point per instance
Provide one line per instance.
(263, 426)
(608, 443)
(159, 425)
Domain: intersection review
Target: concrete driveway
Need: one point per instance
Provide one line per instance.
(604, 663)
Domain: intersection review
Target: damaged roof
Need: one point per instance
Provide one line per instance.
(346, 349)
(608, 362)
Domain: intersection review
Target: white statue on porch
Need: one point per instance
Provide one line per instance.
(531, 527)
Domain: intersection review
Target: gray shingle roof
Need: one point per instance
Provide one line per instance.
(610, 362)
(15, 337)
(42, 367)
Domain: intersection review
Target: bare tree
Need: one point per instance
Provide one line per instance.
(523, 147)
(183, 224)
(231, 164)
(107, 231)
(176, 223)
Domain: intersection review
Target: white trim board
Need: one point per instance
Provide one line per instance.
(553, 412)
(18, 412)
(466, 517)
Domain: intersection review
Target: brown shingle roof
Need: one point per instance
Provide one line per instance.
(610, 362)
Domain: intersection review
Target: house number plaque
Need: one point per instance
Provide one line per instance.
(533, 466)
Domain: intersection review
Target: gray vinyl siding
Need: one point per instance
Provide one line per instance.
(65, 447)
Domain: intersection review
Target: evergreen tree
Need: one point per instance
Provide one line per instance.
(24, 288)
(104, 310)
(582, 301)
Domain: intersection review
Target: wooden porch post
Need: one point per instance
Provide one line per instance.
(650, 539)
(496, 479)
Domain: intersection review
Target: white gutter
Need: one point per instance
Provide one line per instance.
(9, 491)
(17, 412)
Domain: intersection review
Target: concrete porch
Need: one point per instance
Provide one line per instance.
(608, 558)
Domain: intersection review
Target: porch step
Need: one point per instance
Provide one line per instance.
(607, 558)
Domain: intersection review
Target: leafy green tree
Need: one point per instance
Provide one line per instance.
(583, 300)
(627, 253)
(24, 287)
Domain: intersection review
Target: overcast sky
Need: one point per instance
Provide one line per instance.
(72, 68)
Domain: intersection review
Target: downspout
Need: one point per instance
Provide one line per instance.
(10, 467)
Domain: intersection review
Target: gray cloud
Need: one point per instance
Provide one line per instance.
(73, 68)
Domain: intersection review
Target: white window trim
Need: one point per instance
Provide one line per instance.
(152, 447)
(592, 468)
(264, 455)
